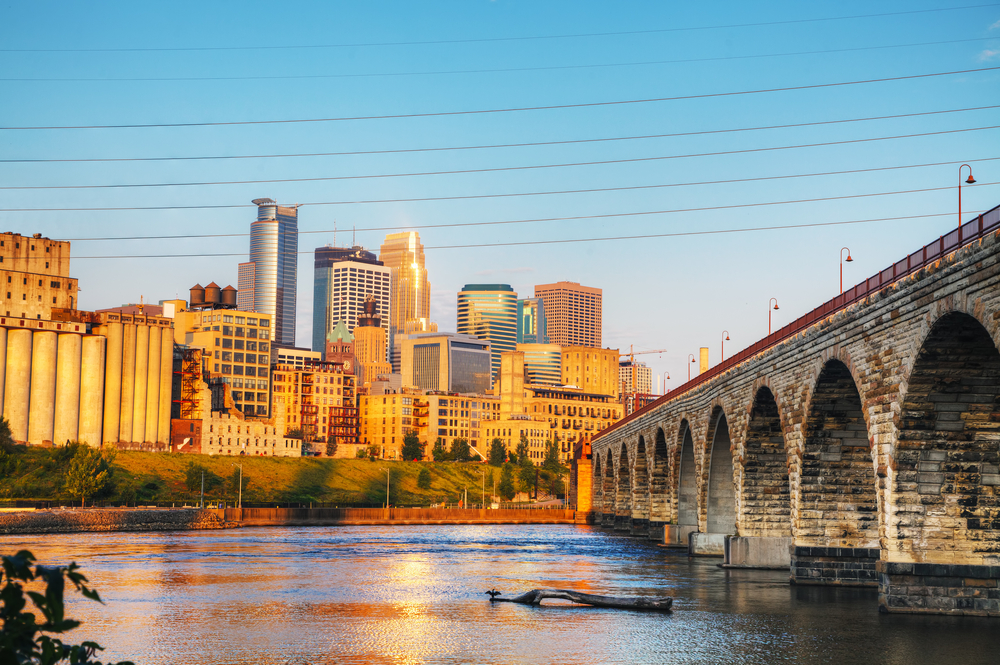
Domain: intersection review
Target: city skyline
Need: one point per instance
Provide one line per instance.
(709, 128)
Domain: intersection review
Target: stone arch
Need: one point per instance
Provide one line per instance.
(720, 491)
(687, 478)
(837, 494)
(947, 459)
(659, 482)
(765, 507)
(598, 485)
(608, 511)
(640, 487)
(623, 484)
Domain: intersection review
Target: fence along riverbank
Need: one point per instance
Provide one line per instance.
(183, 519)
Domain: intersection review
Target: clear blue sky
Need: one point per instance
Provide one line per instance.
(363, 59)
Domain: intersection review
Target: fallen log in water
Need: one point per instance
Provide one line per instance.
(536, 596)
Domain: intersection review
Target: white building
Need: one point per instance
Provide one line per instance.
(635, 377)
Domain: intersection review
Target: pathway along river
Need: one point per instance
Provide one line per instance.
(415, 594)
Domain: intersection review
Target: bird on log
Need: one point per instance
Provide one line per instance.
(536, 596)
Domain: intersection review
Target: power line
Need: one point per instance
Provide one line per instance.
(640, 213)
(564, 240)
(498, 39)
(486, 196)
(550, 107)
(499, 70)
(493, 169)
(497, 145)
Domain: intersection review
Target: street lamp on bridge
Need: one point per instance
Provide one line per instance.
(970, 181)
(666, 377)
(691, 356)
(725, 338)
(842, 259)
(769, 313)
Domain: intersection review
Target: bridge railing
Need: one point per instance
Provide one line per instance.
(972, 231)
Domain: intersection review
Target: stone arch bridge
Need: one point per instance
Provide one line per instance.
(859, 445)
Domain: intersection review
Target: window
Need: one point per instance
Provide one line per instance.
(227, 318)
(226, 343)
(227, 330)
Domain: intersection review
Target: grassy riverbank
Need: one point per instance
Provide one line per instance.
(39, 473)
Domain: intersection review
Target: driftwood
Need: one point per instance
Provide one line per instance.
(535, 597)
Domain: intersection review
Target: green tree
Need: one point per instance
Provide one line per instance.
(89, 471)
(331, 446)
(526, 477)
(506, 487)
(460, 451)
(192, 478)
(522, 450)
(128, 491)
(551, 462)
(23, 639)
(294, 433)
(498, 452)
(6, 440)
(234, 482)
(424, 479)
(554, 484)
(438, 452)
(412, 448)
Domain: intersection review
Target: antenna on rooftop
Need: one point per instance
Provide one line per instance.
(354, 236)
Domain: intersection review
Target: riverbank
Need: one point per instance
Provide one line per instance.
(183, 519)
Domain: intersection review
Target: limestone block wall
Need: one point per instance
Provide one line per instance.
(875, 428)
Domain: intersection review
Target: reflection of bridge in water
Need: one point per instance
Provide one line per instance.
(859, 446)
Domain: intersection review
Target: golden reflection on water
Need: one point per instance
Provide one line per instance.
(414, 594)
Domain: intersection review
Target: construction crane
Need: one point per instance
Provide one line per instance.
(632, 353)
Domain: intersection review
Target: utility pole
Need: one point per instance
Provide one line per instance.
(240, 467)
(202, 490)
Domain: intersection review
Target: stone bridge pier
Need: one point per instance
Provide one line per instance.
(858, 446)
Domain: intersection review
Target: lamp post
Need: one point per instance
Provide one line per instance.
(482, 472)
(842, 259)
(691, 356)
(666, 377)
(970, 181)
(386, 487)
(240, 466)
(725, 338)
(769, 313)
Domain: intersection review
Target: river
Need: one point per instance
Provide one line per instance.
(415, 594)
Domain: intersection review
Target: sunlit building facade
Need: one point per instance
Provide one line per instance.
(267, 282)
(531, 321)
(573, 313)
(542, 363)
(489, 312)
(344, 278)
(403, 255)
(447, 362)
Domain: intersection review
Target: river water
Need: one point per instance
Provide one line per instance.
(413, 594)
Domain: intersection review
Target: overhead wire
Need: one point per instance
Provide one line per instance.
(498, 70)
(493, 169)
(273, 47)
(518, 109)
(396, 151)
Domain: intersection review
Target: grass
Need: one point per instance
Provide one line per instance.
(37, 473)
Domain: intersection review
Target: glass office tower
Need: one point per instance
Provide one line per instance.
(489, 311)
(268, 279)
(344, 278)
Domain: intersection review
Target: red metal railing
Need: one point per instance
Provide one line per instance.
(971, 231)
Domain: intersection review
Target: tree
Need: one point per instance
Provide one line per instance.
(412, 448)
(424, 478)
(438, 452)
(331, 446)
(89, 471)
(6, 439)
(192, 478)
(526, 477)
(506, 488)
(22, 637)
(294, 434)
(128, 491)
(234, 482)
(522, 450)
(551, 462)
(460, 451)
(498, 452)
(554, 485)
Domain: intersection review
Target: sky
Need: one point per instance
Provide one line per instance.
(693, 160)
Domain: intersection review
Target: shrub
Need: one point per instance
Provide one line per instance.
(424, 479)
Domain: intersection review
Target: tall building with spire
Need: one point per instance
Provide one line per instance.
(267, 281)
(403, 255)
(370, 344)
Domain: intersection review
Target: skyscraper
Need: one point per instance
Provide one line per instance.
(489, 311)
(403, 255)
(344, 277)
(267, 280)
(531, 322)
(572, 313)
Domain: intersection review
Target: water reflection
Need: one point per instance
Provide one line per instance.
(416, 594)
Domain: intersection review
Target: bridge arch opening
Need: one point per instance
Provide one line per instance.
(837, 493)
(721, 505)
(623, 502)
(640, 484)
(947, 481)
(608, 511)
(687, 485)
(598, 485)
(659, 482)
(765, 505)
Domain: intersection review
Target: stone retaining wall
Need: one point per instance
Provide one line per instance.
(108, 519)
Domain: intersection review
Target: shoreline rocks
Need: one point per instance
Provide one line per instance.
(80, 520)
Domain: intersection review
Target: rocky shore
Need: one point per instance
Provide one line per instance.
(108, 519)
